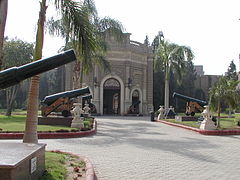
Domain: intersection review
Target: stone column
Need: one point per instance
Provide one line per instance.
(127, 90)
(96, 89)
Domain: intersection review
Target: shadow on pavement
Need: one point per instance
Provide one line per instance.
(145, 135)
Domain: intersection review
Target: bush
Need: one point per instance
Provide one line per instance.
(237, 122)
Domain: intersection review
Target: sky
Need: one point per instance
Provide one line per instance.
(211, 28)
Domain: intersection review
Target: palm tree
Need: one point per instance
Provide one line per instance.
(3, 18)
(80, 30)
(170, 58)
(30, 134)
(224, 90)
(96, 56)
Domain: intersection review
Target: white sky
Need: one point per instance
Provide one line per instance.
(210, 27)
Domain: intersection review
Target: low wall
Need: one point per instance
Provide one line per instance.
(55, 121)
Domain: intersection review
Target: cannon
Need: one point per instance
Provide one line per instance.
(14, 75)
(86, 98)
(133, 108)
(61, 102)
(193, 105)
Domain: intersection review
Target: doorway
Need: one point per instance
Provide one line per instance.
(111, 97)
(134, 108)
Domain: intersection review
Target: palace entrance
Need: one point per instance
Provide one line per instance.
(111, 96)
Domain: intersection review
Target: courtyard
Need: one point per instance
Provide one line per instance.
(135, 148)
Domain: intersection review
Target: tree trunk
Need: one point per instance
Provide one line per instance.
(11, 94)
(219, 111)
(30, 134)
(166, 96)
(76, 75)
(229, 112)
(3, 18)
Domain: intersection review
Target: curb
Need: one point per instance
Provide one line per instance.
(53, 135)
(203, 132)
(90, 173)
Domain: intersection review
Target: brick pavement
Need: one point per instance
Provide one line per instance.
(133, 148)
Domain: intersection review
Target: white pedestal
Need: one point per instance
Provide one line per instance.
(207, 124)
(77, 123)
(178, 118)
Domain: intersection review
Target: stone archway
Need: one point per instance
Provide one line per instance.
(111, 96)
(110, 76)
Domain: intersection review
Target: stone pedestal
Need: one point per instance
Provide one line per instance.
(178, 118)
(161, 113)
(207, 123)
(77, 121)
(21, 161)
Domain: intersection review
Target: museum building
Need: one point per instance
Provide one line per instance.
(128, 87)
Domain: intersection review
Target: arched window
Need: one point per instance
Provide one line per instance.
(111, 84)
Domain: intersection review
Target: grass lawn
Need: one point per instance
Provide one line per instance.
(226, 123)
(17, 123)
(62, 166)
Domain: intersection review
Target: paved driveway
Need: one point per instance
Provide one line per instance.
(133, 148)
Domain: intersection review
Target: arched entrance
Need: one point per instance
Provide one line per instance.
(111, 96)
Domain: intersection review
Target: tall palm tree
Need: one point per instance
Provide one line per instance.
(80, 30)
(30, 135)
(3, 18)
(171, 58)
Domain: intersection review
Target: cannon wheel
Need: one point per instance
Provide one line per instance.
(65, 113)
(192, 113)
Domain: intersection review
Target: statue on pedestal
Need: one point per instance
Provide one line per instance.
(77, 121)
(86, 109)
(161, 113)
(207, 123)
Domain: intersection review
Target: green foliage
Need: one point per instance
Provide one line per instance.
(224, 91)
(232, 72)
(88, 123)
(55, 166)
(171, 57)
(16, 52)
(174, 63)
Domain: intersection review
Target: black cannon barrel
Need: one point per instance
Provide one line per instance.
(136, 103)
(187, 98)
(70, 94)
(14, 75)
(84, 98)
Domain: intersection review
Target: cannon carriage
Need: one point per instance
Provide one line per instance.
(134, 109)
(193, 105)
(62, 102)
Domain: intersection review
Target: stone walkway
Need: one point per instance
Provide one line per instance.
(133, 148)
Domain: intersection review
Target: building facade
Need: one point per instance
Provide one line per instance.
(128, 87)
